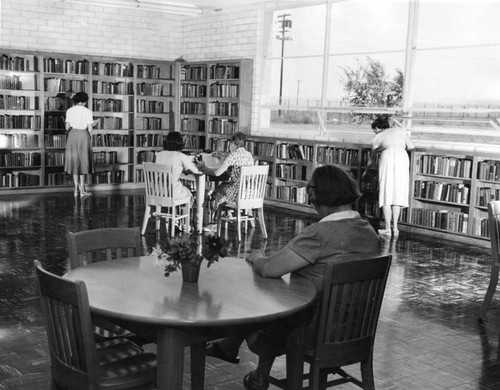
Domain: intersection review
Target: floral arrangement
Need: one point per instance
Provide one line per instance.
(186, 249)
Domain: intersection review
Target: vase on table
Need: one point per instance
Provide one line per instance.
(190, 271)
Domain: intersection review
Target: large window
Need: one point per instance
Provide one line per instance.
(456, 57)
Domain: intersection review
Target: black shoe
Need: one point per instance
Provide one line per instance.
(255, 380)
(214, 350)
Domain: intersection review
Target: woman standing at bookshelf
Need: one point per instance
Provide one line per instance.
(393, 170)
(79, 159)
(238, 157)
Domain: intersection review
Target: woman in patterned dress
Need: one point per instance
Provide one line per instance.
(238, 157)
(393, 170)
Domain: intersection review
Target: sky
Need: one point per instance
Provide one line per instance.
(447, 66)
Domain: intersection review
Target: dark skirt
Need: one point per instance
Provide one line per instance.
(79, 159)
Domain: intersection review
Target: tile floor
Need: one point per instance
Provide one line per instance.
(428, 336)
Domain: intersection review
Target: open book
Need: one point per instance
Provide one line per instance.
(211, 161)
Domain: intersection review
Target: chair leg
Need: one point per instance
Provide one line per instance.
(491, 290)
(367, 374)
(171, 220)
(262, 223)
(158, 212)
(238, 223)
(147, 214)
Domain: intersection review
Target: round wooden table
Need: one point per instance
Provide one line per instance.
(228, 295)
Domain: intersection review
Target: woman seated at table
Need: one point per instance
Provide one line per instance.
(178, 161)
(339, 232)
(238, 157)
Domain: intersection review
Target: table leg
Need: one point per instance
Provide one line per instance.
(198, 357)
(170, 351)
(295, 358)
(200, 198)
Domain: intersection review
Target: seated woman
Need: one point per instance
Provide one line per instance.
(340, 233)
(180, 162)
(238, 157)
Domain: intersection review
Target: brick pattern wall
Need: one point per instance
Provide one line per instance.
(52, 25)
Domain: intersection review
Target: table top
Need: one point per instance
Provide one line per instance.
(228, 293)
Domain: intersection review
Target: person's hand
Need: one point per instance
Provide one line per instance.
(254, 255)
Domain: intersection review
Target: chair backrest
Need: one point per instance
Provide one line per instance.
(350, 305)
(252, 187)
(90, 246)
(65, 307)
(494, 228)
(159, 185)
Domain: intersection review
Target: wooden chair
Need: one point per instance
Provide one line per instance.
(78, 362)
(90, 246)
(494, 228)
(251, 192)
(160, 195)
(348, 315)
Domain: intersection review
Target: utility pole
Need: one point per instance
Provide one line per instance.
(285, 24)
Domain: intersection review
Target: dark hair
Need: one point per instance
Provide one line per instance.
(382, 122)
(173, 141)
(80, 97)
(331, 186)
(238, 139)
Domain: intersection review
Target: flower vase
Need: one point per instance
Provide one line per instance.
(190, 272)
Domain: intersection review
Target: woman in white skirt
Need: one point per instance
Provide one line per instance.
(393, 170)
(79, 160)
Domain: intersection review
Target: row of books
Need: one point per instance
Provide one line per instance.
(55, 159)
(57, 103)
(155, 89)
(59, 65)
(482, 227)
(20, 122)
(192, 124)
(446, 192)
(445, 166)
(63, 85)
(107, 105)
(154, 107)
(193, 108)
(103, 177)
(146, 140)
(369, 206)
(105, 157)
(333, 155)
(222, 126)
(193, 90)
(55, 140)
(224, 90)
(193, 73)
(111, 140)
(485, 195)
(115, 69)
(155, 72)
(291, 171)
(195, 142)
(109, 123)
(295, 151)
(19, 179)
(23, 64)
(260, 148)
(58, 179)
(11, 82)
(20, 159)
(219, 144)
(223, 108)
(366, 155)
(151, 123)
(489, 170)
(220, 71)
(291, 193)
(18, 141)
(112, 88)
(9, 102)
(146, 156)
(369, 183)
(54, 121)
(441, 219)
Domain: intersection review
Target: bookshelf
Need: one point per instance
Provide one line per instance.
(215, 102)
(135, 102)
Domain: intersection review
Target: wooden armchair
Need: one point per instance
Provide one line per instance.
(78, 362)
(349, 308)
(251, 192)
(160, 196)
(494, 228)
